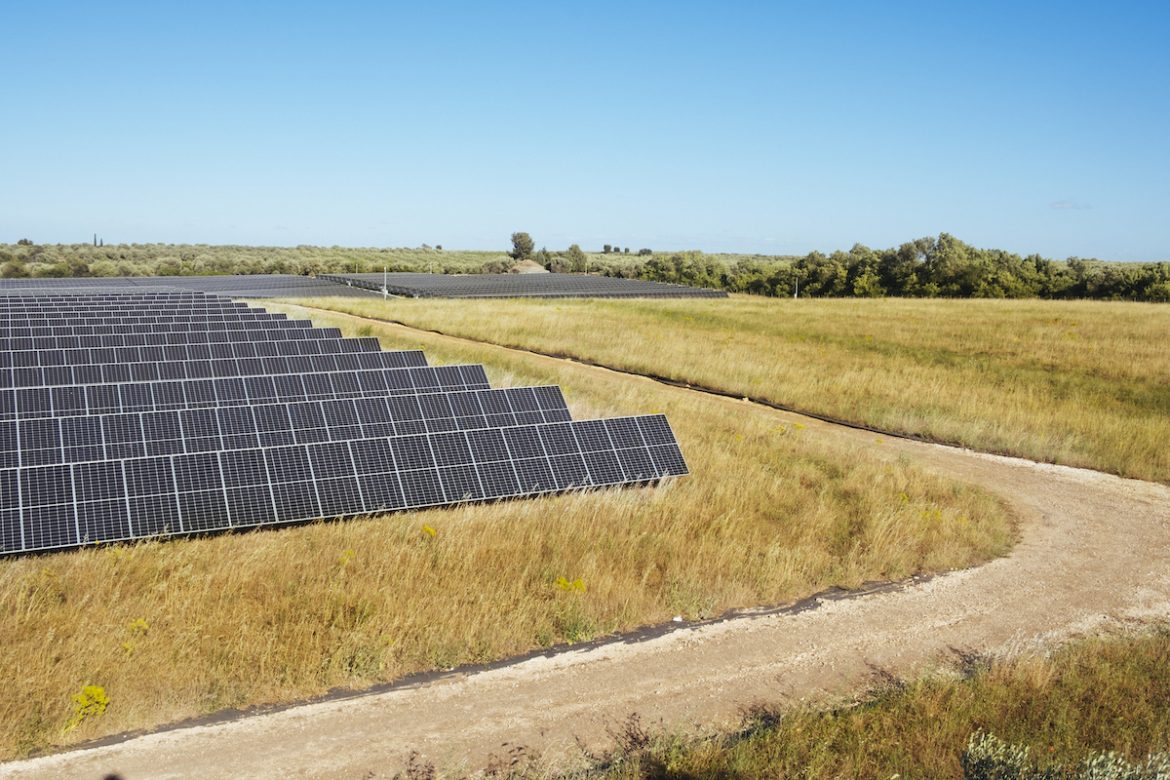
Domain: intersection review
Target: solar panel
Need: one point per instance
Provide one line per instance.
(140, 429)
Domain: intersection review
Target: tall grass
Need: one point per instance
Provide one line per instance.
(1078, 383)
(174, 629)
(1098, 695)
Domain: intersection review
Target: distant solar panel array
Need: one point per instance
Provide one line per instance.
(128, 412)
(416, 285)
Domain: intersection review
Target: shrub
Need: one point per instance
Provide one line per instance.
(988, 757)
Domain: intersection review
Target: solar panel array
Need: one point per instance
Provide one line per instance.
(417, 285)
(129, 412)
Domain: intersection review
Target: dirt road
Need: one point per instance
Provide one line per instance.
(1094, 550)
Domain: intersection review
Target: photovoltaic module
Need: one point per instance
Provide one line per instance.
(142, 411)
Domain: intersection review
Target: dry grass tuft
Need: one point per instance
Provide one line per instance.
(180, 628)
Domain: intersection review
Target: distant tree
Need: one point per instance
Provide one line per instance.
(169, 267)
(643, 252)
(439, 247)
(627, 250)
(576, 261)
(13, 269)
(25, 242)
(606, 249)
(522, 246)
(544, 257)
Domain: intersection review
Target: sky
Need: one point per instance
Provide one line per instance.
(777, 127)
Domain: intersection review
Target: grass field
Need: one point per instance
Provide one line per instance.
(1098, 695)
(1077, 383)
(175, 629)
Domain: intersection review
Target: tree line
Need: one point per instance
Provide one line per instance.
(928, 267)
(942, 267)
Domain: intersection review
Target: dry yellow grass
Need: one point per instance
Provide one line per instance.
(180, 628)
(1100, 694)
(1079, 383)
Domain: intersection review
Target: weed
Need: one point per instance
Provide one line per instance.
(90, 702)
(574, 586)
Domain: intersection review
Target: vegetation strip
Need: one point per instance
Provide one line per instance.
(643, 634)
(698, 388)
(941, 266)
(1100, 694)
(1074, 383)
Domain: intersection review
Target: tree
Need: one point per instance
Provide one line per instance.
(643, 252)
(522, 246)
(606, 249)
(576, 261)
(13, 269)
(25, 242)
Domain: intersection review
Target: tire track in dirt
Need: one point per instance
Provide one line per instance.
(1092, 553)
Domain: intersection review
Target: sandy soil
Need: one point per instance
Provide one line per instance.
(1093, 552)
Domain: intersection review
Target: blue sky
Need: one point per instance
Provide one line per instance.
(775, 127)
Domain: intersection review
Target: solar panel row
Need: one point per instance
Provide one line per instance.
(34, 441)
(152, 339)
(108, 398)
(355, 353)
(133, 498)
(238, 285)
(30, 319)
(195, 351)
(106, 441)
(146, 371)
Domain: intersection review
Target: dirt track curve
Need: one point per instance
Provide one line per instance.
(1093, 551)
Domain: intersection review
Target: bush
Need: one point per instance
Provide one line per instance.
(988, 757)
